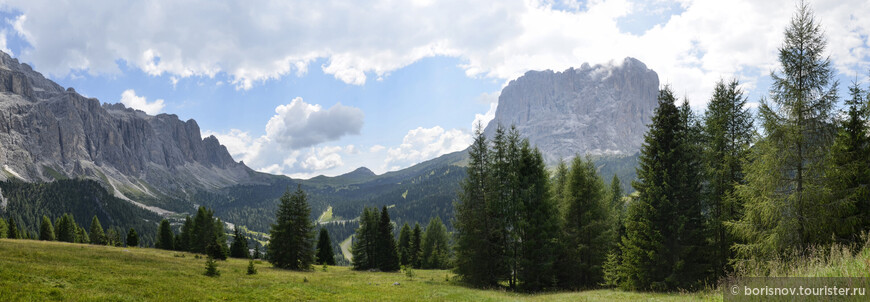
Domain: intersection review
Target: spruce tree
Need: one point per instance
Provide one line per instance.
(211, 267)
(404, 245)
(164, 236)
(65, 228)
(728, 134)
(538, 222)
(784, 195)
(132, 238)
(13, 229)
(97, 235)
(239, 248)
(588, 230)
(560, 183)
(292, 239)
(186, 235)
(660, 249)
(4, 228)
(849, 171)
(387, 258)
(220, 236)
(478, 255)
(82, 235)
(414, 247)
(325, 254)
(365, 241)
(46, 231)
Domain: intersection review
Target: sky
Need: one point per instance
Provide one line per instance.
(306, 88)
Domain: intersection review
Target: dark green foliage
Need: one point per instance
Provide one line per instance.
(849, 171)
(365, 240)
(46, 230)
(435, 249)
(165, 237)
(386, 255)
(663, 240)
(66, 228)
(82, 235)
(292, 236)
(132, 238)
(13, 230)
(257, 252)
(185, 239)
(785, 202)
(113, 237)
(252, 270)
(211, 267)
(28, 202)
(216, 250)
(404, 246)
(325, 253)
(538, 223)
(239, 248)
(4, 228)
(727, 134)
(97, 235)
(588, 229)
(415, 246)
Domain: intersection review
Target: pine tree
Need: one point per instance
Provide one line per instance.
(663, 226)
(414, 247)
(728, 133)
(164, 236)
(435, 250)
(132, 238)
(478, 257)
(97, 235)
(538, 223)
(325, 254)
(405, 245)
(849, 171)
(784, 195)
(387, 258)
(588, 231)
(292, 238)
(364, 245)
(13, 230)
(239, 248)
(46, 231)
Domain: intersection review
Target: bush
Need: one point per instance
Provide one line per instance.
(211, 269)
(252, 270)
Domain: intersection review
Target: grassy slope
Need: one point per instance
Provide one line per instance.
(33, 270)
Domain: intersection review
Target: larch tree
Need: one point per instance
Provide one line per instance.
(97, 235)
(46, 230)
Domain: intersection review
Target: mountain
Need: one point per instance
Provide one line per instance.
(601, 109)
(48, 133)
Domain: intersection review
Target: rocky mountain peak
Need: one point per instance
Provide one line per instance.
(594, 109)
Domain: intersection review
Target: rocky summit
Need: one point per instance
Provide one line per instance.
(48, 132)
(601, 109)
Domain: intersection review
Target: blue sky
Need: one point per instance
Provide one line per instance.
(307, 88)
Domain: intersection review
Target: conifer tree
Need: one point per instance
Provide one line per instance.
(4, 228)
(728, 133)
(784, 195)
(97, 235)
(252, 270)
(292, 238)
(220, 236)
(404, 245)
(365, 240)
(588, 230)
(186, 235)
(132, 238)
(239, 248)
(435, 251)
(164, 236)
(560, 183)
(13, 229)
(538, 222)
(387, 258)
(113, 237)
(849, 171)
(82, 235)
(211, 267)
(414, 246)
(65, 228)
(46, 231)
(325, 254)
(663, 226)
(257, 252)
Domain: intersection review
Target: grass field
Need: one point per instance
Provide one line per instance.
(35, 270)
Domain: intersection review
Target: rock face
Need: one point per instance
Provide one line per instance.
(601, 109)
(47, 132)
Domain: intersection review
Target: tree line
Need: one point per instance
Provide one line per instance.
(714, 193)
(65, 229)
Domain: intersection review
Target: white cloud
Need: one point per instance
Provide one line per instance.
(130, 99)
(376, 148)
(255, 42)
(293, 128)
(3, 45)
(299, 124)
(483, 119)
(426, 143)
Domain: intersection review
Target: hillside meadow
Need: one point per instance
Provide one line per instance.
(38, 270)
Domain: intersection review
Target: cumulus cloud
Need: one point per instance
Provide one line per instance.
(299, 124)
(376, 148)
(254, 42)
(484, 119)
(130, 99)
(425, 143)
(290, 144)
